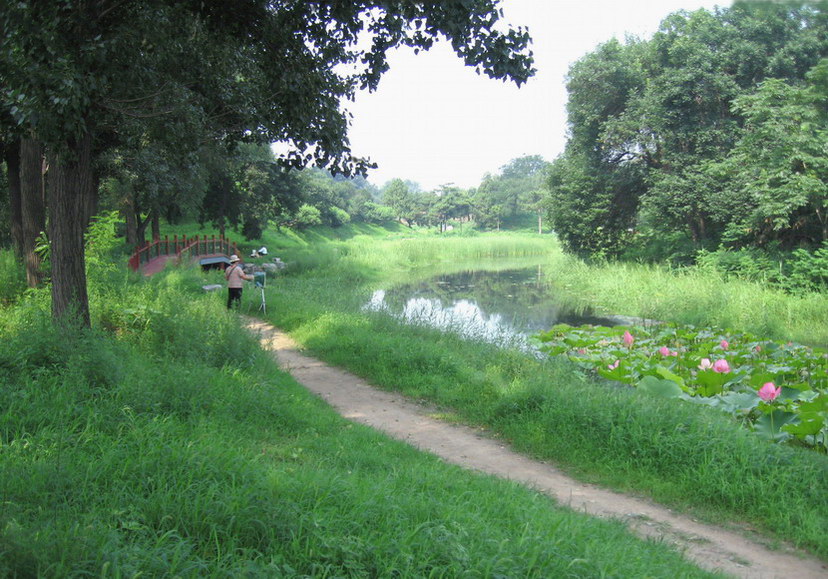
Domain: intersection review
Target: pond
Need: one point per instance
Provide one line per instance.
(502, 307)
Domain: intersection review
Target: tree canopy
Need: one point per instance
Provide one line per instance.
(712, 132)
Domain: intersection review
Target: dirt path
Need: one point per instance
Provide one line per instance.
(710, 547)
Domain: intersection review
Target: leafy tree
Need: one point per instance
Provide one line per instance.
(662, 132)
(595, 186)
(399, 198)
(259, 70)
(307, 216)
(779, 165)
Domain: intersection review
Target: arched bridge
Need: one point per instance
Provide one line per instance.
(153, 257)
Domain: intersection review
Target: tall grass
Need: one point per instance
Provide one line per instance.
(684, 455)
(12, 278)
(693, 296)
(164, 442)
(690, 296)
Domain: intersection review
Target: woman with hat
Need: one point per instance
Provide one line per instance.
(235, 276)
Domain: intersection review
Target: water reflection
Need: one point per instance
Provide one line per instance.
(504, 307)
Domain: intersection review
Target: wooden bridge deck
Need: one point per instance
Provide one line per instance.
(159, 263)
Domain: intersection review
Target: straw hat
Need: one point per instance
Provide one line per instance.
(234, 258)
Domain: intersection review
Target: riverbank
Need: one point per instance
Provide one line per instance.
(690, 458)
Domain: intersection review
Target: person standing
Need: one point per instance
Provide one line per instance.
(235, 277)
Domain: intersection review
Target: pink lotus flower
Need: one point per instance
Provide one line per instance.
(614, 365)
(664, 351)
(706, 364)
(768, 392)
(628, 339)
(724, 344)
(581, 351)
(758, 348)
(721, 366)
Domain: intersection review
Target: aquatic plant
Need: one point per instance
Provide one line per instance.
(778, 389)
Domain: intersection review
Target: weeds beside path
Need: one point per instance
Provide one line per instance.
(709, 547)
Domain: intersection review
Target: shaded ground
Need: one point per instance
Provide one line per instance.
(710, 547)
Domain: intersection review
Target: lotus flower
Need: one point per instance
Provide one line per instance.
(758, 348)
(614, 365)
(628, 339)
(768, 392)
(664, 351)
(581, 351)
(706, 364)
(724, 344)
(721, 366)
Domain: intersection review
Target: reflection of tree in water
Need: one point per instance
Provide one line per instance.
(521, 298)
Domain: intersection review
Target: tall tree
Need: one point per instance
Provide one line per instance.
(651, 122)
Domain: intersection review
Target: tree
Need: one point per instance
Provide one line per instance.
(779, 165)
(595, 186)
(399, 198)
(255, 70)
(651, 124)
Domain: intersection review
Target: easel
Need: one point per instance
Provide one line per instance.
(259, 279)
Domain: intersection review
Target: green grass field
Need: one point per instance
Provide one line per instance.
(166, 443)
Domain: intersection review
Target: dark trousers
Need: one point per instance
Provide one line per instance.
(234, 295)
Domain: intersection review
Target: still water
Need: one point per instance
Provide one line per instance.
(502, 307)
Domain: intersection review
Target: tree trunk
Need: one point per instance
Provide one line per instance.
(90, 203)
(32, 206)
(540, 223)
(11, 154)
(131, 225)
(156, 226)
(70, 183)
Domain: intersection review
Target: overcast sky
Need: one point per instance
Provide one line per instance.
(436, 122)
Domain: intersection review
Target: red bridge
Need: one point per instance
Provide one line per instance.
(153, 257)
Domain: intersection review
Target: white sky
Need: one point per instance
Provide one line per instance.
(435, 121)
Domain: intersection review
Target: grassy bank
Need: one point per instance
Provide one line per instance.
(696, 297)
(685, 456)
(165, 443)
(688, 296)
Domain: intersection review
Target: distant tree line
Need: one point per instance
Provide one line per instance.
(709, 136)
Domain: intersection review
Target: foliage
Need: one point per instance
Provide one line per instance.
(307, 216)
(101, 242)
(712, 131)
(724, 370)
(12, 278)
(515, 190)
(397, 196)
(799, 272)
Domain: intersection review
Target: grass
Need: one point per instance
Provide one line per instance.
(166, 443)
(684, 456)
(696, 297)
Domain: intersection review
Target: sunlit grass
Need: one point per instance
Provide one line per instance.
(686, 456)
(692, 296)
(164, 442)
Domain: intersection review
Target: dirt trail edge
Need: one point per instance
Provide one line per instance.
(709, 547)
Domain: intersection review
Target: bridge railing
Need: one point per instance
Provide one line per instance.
(181, 247)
